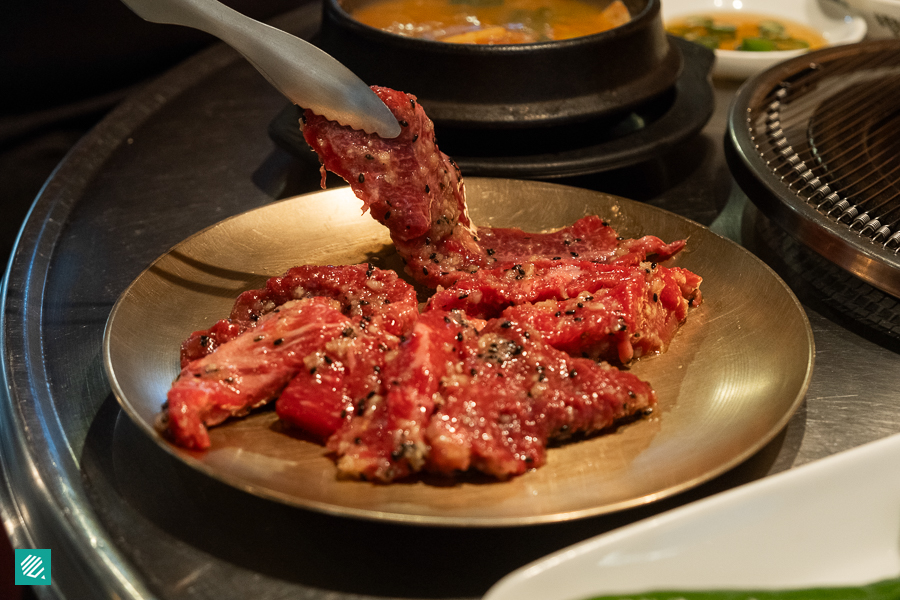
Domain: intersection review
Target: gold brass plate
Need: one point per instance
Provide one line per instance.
(732, 378)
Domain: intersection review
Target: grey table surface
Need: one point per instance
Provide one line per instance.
(126, 520)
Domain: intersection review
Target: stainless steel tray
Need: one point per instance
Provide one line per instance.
(125, 520)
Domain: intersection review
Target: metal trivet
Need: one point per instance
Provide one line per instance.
(815, 143)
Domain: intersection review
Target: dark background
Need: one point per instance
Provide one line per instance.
(63, 65)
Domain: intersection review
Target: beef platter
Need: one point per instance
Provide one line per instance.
(521, 343)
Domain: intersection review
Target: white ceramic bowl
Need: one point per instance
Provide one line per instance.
(831, 19)
(882, 16)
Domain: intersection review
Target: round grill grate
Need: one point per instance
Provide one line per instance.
(815, 143)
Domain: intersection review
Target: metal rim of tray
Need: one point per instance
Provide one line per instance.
(42, 497)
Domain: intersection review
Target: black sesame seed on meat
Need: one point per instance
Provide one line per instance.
(361, 178)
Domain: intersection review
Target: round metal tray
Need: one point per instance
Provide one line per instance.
(125, 519)
(715, 409)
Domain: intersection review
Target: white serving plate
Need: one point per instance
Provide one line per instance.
(882, 16)
(834, 522)
(827, 17)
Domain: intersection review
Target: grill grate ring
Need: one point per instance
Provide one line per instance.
(845, 139)
(815, 143)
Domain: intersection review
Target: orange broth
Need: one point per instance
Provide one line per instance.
(492, 21)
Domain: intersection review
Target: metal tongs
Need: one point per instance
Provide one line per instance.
(307, 76)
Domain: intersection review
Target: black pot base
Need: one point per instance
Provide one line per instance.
(647, 131)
